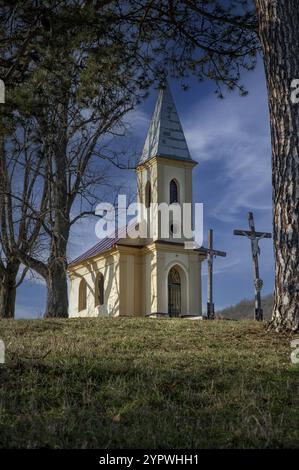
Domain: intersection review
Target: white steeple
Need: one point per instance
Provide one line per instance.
(165, 136)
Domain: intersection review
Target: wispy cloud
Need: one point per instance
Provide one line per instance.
(137, 120)
(234, 135)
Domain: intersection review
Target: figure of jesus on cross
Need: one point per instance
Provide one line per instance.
(254, 237)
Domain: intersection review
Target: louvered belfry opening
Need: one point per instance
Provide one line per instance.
(173, 190)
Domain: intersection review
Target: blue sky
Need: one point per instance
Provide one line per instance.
(230, 140)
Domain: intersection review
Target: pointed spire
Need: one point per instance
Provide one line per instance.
(165, 137)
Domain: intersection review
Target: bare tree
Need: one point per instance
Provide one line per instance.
(71, 118)
(23, 196)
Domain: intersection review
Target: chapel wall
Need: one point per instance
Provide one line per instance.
(109, 267)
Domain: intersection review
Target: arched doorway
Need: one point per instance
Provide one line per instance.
(174, 293)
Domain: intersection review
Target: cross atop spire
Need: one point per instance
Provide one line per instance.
(165, 137)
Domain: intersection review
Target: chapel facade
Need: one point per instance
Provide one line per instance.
(154, 275)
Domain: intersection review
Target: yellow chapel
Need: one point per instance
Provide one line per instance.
(154, 275)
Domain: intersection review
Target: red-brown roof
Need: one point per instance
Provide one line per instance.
(103, 245)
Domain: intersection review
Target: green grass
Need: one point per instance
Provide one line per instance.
(124, 383)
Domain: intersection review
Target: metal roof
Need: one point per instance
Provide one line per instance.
(103, 245)
(165, 137)
(106, 244)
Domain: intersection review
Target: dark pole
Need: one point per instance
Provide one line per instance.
(210, 303)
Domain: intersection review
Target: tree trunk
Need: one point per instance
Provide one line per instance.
(57, 295)
(8, 290)
(57, 292)
(279, 35)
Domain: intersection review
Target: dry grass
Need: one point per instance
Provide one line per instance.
(125, 383)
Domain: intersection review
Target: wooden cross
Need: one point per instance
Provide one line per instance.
(211, 255)
(254, 237)
(2, 92)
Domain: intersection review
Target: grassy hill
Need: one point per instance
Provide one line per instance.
(125, 383)
(244, 309)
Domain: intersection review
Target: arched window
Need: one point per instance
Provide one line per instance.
(82, 295)
(173, 190)
(99, 290)
(148, 194)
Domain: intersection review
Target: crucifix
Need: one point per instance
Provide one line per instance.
(211, 255)
(254, 237)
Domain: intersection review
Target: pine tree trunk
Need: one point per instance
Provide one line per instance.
(279, 35)
(8, 290)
